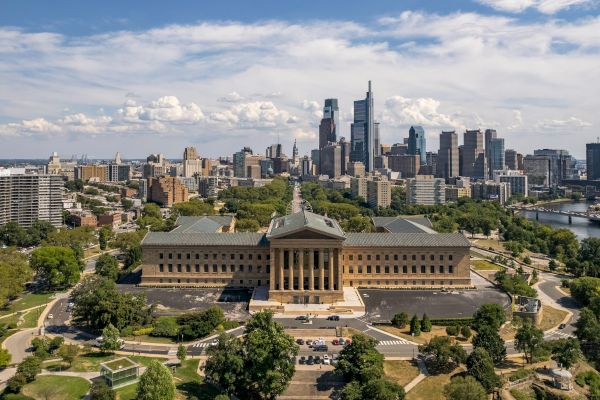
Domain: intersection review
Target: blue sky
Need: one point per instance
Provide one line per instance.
(139, 77)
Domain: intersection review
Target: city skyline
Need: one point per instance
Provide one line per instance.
(153, 81)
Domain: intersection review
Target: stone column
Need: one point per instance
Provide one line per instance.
(340, 267)
(311, 270)
(280, 262)
(301, 270)
(331, 269)
(321, 269)
(291, 269)
(272, 271)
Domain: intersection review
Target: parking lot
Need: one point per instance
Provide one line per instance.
(382, 304)
(234, 302)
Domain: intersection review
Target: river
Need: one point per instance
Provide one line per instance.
(581, 227)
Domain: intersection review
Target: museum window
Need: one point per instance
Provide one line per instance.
(205, 267)
(441, 269)
(178, 267)
(450, 269)
(214, 256)
(368, 282)
(449, 257)
(387, 269)
(377, 269)
(404, 257)
(387, 257)
(268, 256)
(170, 255)
(351, 269)
(423, 269)
(351, 257)
(395, 257)
(215, 268)
(368, 269)
(259, 269)
(442, 283)
(232, 268)
(188, 268)
(249, 268)
(197, 256)
(414, 283)
(414, 257)
(405, 283)
(179, 256)
(188, 256)
(241, 256)
(268, 269)
(250, 257)
(441, 257)
(197, 268)
(377, 257)
(359, 269)
(395, 269)
(241, 281)
(432, 269)
(206, 256)
(360, 257)
(170, 268)
(414, 269)
(431, 257)
(241, 268)
(160, 255)
(161, 268)
(259, 257)
(233, 257)
(368, 257)
(422, 257)
(432, 283)
(404, 269)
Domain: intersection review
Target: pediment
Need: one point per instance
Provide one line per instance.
(308, 234)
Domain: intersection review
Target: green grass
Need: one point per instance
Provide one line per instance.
(27, 301)
(150, 339)
(522, 394)
(401, 372)
(30, 320)
(485, 265)
(90, 362)
(127, 392)
(57, 388)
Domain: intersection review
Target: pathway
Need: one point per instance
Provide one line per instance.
(424, 374)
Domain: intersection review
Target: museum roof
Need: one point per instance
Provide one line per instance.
(204, 239)
(207, 223)
(404, 224)
(301, 220)
(387, 239)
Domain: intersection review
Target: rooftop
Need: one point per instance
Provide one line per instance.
(301, 220)
(416, 224)
(204, 239)
(119, 364)
(386, 239)
(207, 223)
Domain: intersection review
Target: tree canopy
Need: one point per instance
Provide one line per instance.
(14, 274)
(56, 267)
(156, 383)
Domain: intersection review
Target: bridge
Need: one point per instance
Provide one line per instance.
(591, 216)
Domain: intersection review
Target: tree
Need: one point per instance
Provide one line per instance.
(12, 234)
(226, 363)
(181, 353)
(400, 320)
(16, 383)
(481, 367)
(57, 267)
(352, 391)
(126, 203)
(465, 331)
(108, 267)
(488, 338)
(30, 367)
(426, 324)
(247, 225)
(68, 353)
(38, 231)
(452, 330)
(360, 360)
(444, 356)
(165, 327)
(529, 340)
(104, 236)
(101, 391)
(566, 352)
(552, 265)
(200, 324)
(491, 315)
(5, 358)
(358, 223)
(14, 274)
(110, 339)
(74, 185)
(382, 389)
(415, 326)
(466, 388)
(156, 383)
(194, 207)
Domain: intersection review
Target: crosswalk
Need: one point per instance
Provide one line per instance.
(200, 344)
(559, 334)
(393, 342)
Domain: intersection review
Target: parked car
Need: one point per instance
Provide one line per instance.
(334, 318)
(335, 342)
(50, 316)
(300, 341)
(309, 342)
(326, 359)
(348, 341)
(341, 341)
(302, 360)
(562, 326)
(322, 347)
(317, 360)
(301, 318)
(310, 360)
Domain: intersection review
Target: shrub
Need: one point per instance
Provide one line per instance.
(520, 374)
(227, 325)
(143, 331)
(452, 330)
(16, 383)
(465, 331)
(165, 327)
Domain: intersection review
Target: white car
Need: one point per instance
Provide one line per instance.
(213, 343)
(50, 316)
(326, 359)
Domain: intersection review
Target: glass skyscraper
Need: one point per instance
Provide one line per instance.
(496, 155)
(364, 132)
(416, 143)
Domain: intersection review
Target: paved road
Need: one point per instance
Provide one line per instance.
(18, 344)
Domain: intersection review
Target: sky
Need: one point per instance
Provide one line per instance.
(142, 77)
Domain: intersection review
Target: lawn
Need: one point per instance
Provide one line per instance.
(90, 362)
(27, 301)
(56, 388)
(431, 388)
(551, 317)
(151, 339)
(92, 251)
(423, 338)
(401, 372)
(523, 394)
(485, 265)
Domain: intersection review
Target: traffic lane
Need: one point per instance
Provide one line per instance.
(548, 286)
(383, 304)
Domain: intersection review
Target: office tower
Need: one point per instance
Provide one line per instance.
(307, 166)
(447, 160)
(490, 190)
(490, 134)
(26, 198)
(518, 182)
(364, 132)
(53, 167)
(408, 165)
(345, 156)
(329, 126)
(274, 151)
(473, 155)
(432, 161)
(416, 143)
(453, 192)
(562, 164)
(315, 155)
(495, 152)
(379, 191)
(426, 190)
(331, 160)
(510, 159)
(538, 169)
(386, 149)
(398, 149)
(192, 164)
(266, 168)
(143, 190)
(592, 158)
(166, 191)
(238, 161)
(356, 169)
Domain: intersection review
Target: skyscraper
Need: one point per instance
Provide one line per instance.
(473, 160)
(592, 158)
(495, 152)
(364, 132)
(416, 143)
(329, 126)
(192, 165)
(510, 159)
(489, 135)
(447, 160)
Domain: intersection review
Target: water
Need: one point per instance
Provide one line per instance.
(581, 227)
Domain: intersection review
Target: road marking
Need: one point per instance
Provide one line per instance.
(393, 342)
(200, 344)
(560, 334)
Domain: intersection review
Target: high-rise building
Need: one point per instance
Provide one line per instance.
(496, 155)
(295, 158)
(518, 182)
(510, 159)
(356, 169)
(192, 164)
(447, 160)
(538, 169)
(365, 132)
(379, 191)
(592, 158)
(315, 155)
(490, 190)
(425, 190)
(95, 172)
(331, 160)
(329, 126)
(489, 135)
(398, 149)
(53, 167)
(408, 165)
(416, 143)
(26, 198)
(307, 166)
(345, 155)
(562, 164)
(166, 191)
(238, 162)
(473, 156)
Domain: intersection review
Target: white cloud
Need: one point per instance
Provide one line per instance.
(562, 124)
(165, 109)
(232, 97)
(402, 111)
(543, 6)
(254, 115)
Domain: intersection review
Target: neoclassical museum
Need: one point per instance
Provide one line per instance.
(305, 258)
